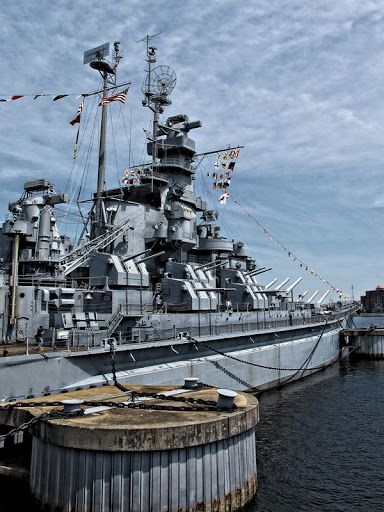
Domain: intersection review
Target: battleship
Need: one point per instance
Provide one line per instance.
(152, 276)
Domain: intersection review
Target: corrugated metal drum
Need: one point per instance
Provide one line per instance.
(371, 345)
(147, 461)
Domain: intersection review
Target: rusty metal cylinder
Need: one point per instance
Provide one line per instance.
(72, 405)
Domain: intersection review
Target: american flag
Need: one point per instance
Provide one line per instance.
(121, 96)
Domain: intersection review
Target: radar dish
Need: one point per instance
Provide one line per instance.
(163, 81)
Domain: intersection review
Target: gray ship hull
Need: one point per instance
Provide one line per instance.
(256, 360)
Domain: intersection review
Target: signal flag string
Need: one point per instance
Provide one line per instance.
(290, 254)
(57, 96)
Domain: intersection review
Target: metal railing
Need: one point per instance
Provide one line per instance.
(142, 334)
(90, 339)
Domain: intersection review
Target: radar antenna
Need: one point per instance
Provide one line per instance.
(161, 83)
(157, 86)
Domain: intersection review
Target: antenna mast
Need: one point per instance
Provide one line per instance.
(158, 84)
(95, 58)
(148, 93)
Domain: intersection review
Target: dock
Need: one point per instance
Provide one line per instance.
(364, 342)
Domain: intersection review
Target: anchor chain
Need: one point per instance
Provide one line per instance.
(209, 404)
(13, 405)
(277, 368)
(51, 415)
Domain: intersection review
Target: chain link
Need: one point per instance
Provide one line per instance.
(51, 415)
(13, 405)
(209, 404)
(277, 368)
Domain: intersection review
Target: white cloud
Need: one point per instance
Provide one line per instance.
(298, 82)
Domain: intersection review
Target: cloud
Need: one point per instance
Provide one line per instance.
(299, 83)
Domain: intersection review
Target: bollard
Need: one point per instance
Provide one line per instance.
(226, 398)
(72, 405)
(191, 382)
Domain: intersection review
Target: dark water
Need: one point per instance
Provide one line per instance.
(320, 445)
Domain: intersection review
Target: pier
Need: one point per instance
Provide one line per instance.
(149, 449)
(364, 342)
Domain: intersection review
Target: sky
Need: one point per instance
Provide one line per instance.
(298, 83)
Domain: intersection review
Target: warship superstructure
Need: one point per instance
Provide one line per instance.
(153, 265)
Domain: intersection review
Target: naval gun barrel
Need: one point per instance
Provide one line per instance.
(312, 296)
(258, 271)
(215, 289)
(290, 288)
(216, 266)
(150, 257)
(270, 284)
(323, 297)
(254, 270)
(127, 258)
(210, 266)
(206, 265)
(282, 284)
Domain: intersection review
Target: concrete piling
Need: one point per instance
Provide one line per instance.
(140, 459)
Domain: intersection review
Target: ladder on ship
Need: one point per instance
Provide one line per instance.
(122, 312)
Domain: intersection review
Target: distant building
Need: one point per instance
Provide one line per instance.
(373, 301)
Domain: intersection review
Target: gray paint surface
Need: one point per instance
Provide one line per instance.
(157, 363)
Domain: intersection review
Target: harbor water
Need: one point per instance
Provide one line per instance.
(320, 442)
(320, 445)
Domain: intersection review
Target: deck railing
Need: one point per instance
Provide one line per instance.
(89, 339)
